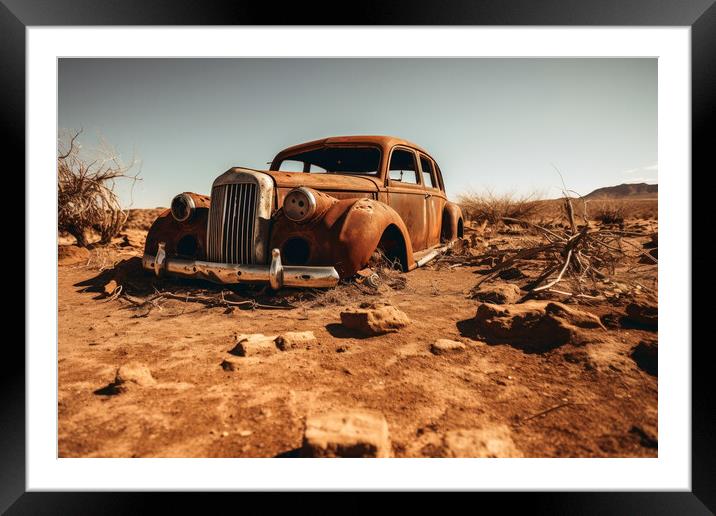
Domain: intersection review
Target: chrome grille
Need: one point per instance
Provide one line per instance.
(232, 217)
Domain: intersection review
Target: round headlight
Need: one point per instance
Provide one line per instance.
(182, 207)
(299, 204)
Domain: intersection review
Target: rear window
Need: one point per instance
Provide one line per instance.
(335, 160)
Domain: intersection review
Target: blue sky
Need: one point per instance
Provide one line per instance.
(498, 124)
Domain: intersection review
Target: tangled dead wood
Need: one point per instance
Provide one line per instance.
(224, 298)
(86, 199)
(579, 256)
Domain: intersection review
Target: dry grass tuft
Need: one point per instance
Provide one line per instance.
(609, 212)
(493, 208)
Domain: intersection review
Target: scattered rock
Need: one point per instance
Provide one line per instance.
(230, 364)
(72, 255)
(135, 373)
(346, 434)
(646, 356)
(443, 346)
(539, 325)
(643, 314)
(296, 340)
(498, 294)
(128, 375)
(646, 438)
(483, 442)
(611, 320)
(111, 287)
(254, 344)
(374, 318)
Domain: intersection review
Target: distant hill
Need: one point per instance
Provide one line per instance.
(631, 191)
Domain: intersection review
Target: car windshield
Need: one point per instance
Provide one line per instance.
(334, 160)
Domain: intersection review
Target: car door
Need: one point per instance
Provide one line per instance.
(406, 194)
(434, 200)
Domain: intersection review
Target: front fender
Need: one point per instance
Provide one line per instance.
(346, 236)
(166, 229)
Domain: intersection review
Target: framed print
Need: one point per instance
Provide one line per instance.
(423, 238)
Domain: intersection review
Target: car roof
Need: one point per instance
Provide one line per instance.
(383, 141)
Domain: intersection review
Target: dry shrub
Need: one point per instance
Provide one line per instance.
(86, 199)
(493, 208)
(609, 212)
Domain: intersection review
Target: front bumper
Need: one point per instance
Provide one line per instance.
(275, 274)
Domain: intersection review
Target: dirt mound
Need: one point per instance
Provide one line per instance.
(72, 255)
(535, 325)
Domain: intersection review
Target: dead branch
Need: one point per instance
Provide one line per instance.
(86, 199)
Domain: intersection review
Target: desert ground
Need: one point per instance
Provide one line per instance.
(168, 368)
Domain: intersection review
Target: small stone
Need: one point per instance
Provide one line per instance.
(230, 364)
(483, 442)
(443, 346)
(133, 374)
(224, 434)
(499, 294)
(296, 340)
(254, 344)
(374, 318)
(110, 287)
(245, 433)
(354, 433)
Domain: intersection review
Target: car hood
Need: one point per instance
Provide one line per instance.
(327, 182)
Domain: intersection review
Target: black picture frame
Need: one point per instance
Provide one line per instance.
(700, 15)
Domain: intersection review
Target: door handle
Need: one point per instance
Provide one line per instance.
(428, 195)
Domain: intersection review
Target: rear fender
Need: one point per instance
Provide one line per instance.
(452, 223)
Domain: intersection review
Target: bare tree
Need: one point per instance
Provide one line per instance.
(85, 190)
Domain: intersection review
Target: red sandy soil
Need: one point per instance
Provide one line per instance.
(572, 400)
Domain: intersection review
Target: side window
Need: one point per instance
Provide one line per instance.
(290, 165)
(428, 175)
(402, 168)
(439, 177)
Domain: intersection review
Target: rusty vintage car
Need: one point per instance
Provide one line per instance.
(323, 211)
